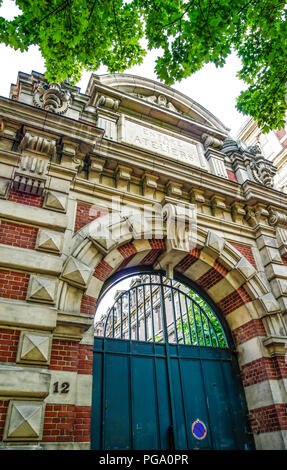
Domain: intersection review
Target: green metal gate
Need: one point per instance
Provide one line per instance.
(163, 363)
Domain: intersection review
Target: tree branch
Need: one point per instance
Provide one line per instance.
(180, 17)
(58, 9)
(92, 9)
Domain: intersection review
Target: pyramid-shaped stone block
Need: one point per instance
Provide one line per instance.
(55, 201)
(215, 242)
(269, 303)
(41, 289)
(245, 268)
(34, 347)
(76, 273)
(24, 420)
(49, 241)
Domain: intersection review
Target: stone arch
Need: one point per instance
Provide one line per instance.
(229, 279)
(102, 248)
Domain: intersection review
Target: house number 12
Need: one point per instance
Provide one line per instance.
(65, 387)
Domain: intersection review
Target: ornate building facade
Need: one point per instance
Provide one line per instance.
(65, 157)
(273, 146)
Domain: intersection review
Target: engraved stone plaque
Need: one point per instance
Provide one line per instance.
(162, 142)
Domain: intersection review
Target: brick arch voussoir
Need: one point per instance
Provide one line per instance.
(214, 264)
(232, 283)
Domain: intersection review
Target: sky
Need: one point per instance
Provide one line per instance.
(215, 89)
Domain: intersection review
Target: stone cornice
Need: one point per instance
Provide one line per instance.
(143, 160)
(46, 121)
(168, 168)
(254, 193)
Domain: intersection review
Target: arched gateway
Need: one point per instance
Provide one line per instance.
(135, 178)
(165, 372)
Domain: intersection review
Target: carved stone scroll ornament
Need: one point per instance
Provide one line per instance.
(51, 97)
(277, 218)
(210, 141)
(261, 172)
(107, 102)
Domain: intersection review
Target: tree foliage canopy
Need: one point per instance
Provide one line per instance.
(83, 34)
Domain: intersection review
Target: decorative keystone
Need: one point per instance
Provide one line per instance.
(49, 241)
(34, 347)
(76, 272)
(41, 289)
(24, 421)
(55, 201)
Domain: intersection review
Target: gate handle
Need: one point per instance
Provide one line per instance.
(171, 442)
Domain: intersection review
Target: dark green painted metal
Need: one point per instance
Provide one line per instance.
(136, 401)
(147, 395)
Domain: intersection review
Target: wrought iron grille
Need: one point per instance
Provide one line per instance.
(160, 310)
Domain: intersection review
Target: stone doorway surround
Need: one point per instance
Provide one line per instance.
(53, 265)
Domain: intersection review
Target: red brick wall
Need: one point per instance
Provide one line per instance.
(88, 304)
(268, 418)
(248, 331)
(3, 412)
(127, 250)
(18, 235)
(209, 279)
(186, 262)
(231, 176)
(71, 356)
(262, 369)
(8, 344)
(23, 198)
(13, 285)
(245, 251)
(151, 257)
(67, 423)
(233, 301)
(102, 270)
(86, 213)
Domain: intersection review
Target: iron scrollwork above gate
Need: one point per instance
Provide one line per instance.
(159, 310)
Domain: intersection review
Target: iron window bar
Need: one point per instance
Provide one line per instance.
(197, 326)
